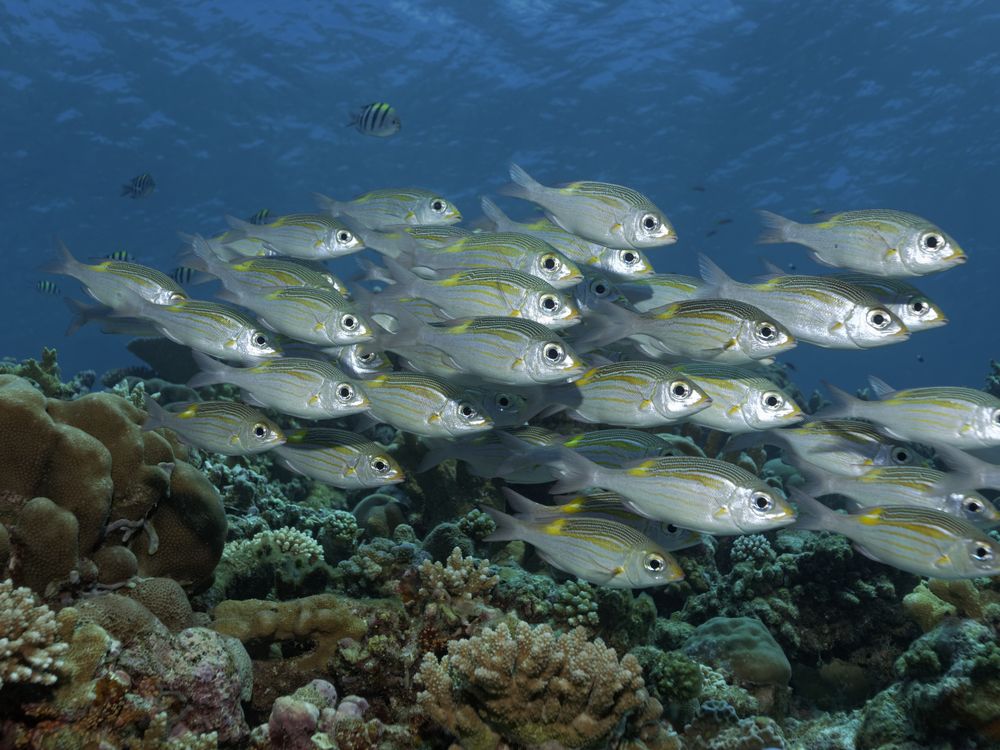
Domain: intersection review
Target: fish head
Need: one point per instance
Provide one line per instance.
(254, 344)
(552, 309)
(161, 296)
(760, 338)
(766, 409)
(343, 397)
(651, 565)
(361, 361)
(646, 226)
(627, 262)
(259, 435)
(919, 313)
(462, 416)
(555, 268)
(892, 454)
(341, 241)
(970, 556)
(759, 507)
(506, 408)
(985, 424)
(679, 397)
(925, 248)
(347, 327)
(552, 361)
(376, 469)
(596, 290)
(972, 507)
(435, 210)
(871, 326)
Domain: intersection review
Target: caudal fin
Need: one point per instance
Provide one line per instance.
(844, 406)
(508, 528)
(717, 282)
(327, 203)
(83, 314)
(64, 263)
(777, 229)
(501, 221)
(608, 323)
(523, 185)
(522, 505)
(812, 514)
(212, 372)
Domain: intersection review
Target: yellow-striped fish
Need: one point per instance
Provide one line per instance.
(742, 400)
(960, 417)
(880, 242)
(841, 446)
(602, 550)
(389, 208)
(305, 236)
(611, 215)
(111, 282)
(377, 119)
(339, 458)
(619, 262)
(820, 310)
(715, 330)
(660, 289)
(316, 316)
(226, 427)
(692, 492)
(508, 351)
(305, 388)
(485, 453)
(483, 291)
(917, 311)
(597, 290)
(360, 360)
(424, 405)
(139, 187)
(631, 394)
(916, 486)
(921, 541)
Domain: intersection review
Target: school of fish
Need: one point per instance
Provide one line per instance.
(463, 337)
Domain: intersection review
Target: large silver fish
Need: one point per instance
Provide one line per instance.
(388, 208)
(226, 427)
(424, 405)
(660, 289)
(921, 541)
(339, 458)
(611, 215)
(743, 400)
(307, 236)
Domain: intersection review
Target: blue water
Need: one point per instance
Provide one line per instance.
(237, 106)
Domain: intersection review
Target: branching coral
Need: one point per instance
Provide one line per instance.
(529, 685)
(30, 648)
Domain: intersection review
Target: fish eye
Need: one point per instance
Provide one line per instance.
(982, 553)
(329, 279)
(671, 529)
(996, 417)
(931, 241)
(629, 258)
(766, 331)
(345, 392)
(972, 505)
(900, 456)
(466, 411)
(260, 339)
(761, 502)
(654, 563)
(438, 206)
(549, 262)
(599, 288)
(260, 429)
(650, 222)
(772, 400)
(343, 236)
(554, 353)
(549, 303)
(680, 389)
(366, 356)
(379, 465)
(503, 400)
(919, 307)
(175, 296)
(349, 322)
(878, 318)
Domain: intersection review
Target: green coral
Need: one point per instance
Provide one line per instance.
(476, 525)
(670, 676)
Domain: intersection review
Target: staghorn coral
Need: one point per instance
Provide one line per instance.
(530, 686)
(44, 375)
(30, 647)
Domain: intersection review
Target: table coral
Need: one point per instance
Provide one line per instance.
(528, 685)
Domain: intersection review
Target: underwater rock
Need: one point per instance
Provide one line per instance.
(717, 727)
(527, 685)
(170, 361)
(741, 646)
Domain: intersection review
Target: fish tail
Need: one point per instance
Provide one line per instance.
(371, 271)
(522, 184)
(64, 264)
(844, 404)
(717, 281)
(738, 443)
(82, 314)
(508, 528)
(520, 504)
(777, 229)
(157, 416)
(881, 388)
(575, 472)
(212, 371)
(608, 324)
(813, 515)
(390, 244)
(502, 222)
(241, 228)
(326, 203)
(818, 482)
(438, 451)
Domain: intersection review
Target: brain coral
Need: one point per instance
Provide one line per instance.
(81, 476)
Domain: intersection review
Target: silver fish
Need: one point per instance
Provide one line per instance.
(339, 458)
(424, 405)
(385, 209)
(484, 454)
(959, 417)
(608, 214)
(742, 400)
(916, 310)
(880, 242)
(819, 310)
(921, 541)
(619, 262)
(360, 360)
(305, 388)
(306, 236)
(600, 550)
(660, 289)
(226, 427)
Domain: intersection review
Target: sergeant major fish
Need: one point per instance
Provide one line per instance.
(139, 187)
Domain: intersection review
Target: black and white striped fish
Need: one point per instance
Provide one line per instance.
(139, 187)
(377, 119)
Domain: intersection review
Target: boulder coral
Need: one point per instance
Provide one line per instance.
(81, 477)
